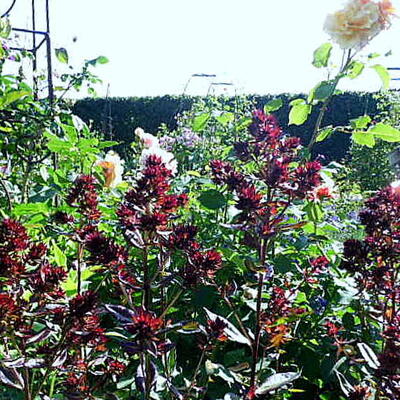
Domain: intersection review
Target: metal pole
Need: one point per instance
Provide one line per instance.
(34, 51)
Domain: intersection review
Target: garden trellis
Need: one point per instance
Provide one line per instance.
(39, 38)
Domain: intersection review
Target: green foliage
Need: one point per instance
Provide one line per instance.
(117, 118)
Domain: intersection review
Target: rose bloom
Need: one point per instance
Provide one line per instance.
(112, 168)
(358, 22)
(147, 139)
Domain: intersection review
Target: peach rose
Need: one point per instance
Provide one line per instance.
(358, 22)
(113, 169)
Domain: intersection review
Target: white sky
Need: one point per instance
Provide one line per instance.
(261, 46)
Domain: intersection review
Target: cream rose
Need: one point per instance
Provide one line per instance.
(358, 22)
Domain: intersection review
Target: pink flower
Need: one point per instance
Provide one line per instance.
(147, 139)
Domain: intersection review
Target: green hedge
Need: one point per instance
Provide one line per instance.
(118, 117)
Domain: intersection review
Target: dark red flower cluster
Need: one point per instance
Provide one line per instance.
(216, 330)
(47, 280)
(103, 251)
(7, 306)
(85, 327)
(360, 393)
(183, 237)
(224, 174)
(83, 195)
(372, 259)
(280, 179)
(279, 307)
(82, 304)
(145, 325)
(148, 205)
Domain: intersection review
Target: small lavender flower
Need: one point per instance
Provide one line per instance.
(167, 142)
(188, 138)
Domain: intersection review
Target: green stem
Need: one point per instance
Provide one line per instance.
(326, 102)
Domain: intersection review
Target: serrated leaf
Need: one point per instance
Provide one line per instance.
(273, 105)
(276, 381)
(62, 55)
(299, 114)
(383, 74)
(386, 132)
(321, 55)
(364, 138)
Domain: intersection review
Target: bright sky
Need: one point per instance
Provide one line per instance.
(154, 46)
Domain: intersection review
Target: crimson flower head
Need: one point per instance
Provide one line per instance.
(265, 127)
(13, 236)
(103, 251)
(248, 198)
(153, 222)
(307, 178)
(208, 262)
(48, 278)
(224, 173)
(36, 253)
(319, 263)
(145, 325)
(182, 237)
(333, 329)
(82, 304)
(83, 195)
(216, 330)
(7, 305)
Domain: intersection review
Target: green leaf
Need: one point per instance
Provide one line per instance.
(324, 134)
(12, 96)
(98, 60)
(297, 102)
(212, 199)
(314, 211)
(322, 55)
(200, 121)
(62, 55)
(102, 60)
(5, 28)
(299, 114)
(273, 105)
(31, 208)
(59, 257)
(386, 132)
(360, 122)
(225, 118)
(355, 69)
(276, 381)
(108, 143)
(324, 90)
(383, 74)
(364, 138)
(57, 145)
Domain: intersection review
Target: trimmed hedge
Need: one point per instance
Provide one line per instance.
(118, 117)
